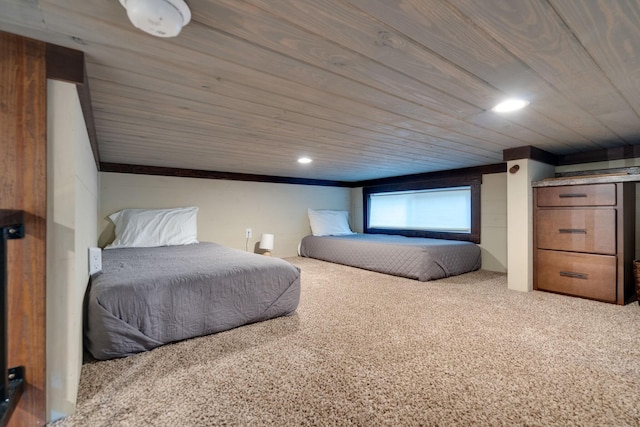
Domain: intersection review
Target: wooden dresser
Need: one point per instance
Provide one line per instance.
(584, 238)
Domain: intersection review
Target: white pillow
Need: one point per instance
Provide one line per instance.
(147, 228)
(329, 223)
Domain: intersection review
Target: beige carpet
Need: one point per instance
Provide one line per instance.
(368, 349)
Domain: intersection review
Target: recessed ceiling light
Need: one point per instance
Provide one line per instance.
(304, 160)
(510, 105)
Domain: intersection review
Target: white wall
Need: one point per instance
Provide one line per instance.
(356, 219)
(520, 221)
(493, 228)
(226, 208)
(72, 205)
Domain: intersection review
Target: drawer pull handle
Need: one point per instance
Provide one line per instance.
(574, 275)
(572, 230)
(566, 195)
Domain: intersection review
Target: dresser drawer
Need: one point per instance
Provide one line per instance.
(577, 195)
(583, 275)
(580, 230)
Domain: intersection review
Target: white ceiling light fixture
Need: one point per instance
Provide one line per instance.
(304, 160)
(510, 105)
(161, 18)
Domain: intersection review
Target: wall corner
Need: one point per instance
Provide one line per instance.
(520, 220)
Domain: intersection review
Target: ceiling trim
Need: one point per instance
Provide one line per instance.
(84, 94)
(195, 173)
(65, 64)
(529, 152)
(606, 154)
(593, 156)
(471, 171)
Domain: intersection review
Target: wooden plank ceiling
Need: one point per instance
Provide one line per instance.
(366, 88)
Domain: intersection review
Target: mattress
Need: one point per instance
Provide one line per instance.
(413, 257)
(147, 297)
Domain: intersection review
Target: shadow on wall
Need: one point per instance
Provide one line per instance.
(491, 263)
(63, 310)
(107, 235)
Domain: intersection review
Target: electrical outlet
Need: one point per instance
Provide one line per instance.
(248, 233)
(95, 260)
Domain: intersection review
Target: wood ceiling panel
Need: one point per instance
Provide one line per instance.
(315, 103)
(452, 35)
(314, 83)
(247, 115)
(610, 32)
(26, 12)
(534, 32)
(313, 33)
(369, 88)
(278, 144)
(257, 143)
(200, 158)
(259, 28)
(347, 26)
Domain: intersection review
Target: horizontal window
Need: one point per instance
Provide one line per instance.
(441, 209)
(437, 209)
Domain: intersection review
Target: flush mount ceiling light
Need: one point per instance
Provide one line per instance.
(162, 18)
(304, 160)
(510, 105)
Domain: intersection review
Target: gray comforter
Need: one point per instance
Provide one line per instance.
(146, 297)
(413, 257)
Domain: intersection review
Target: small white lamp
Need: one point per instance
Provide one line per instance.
(162, 18)
(266, 244)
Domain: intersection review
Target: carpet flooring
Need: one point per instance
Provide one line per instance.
(367, 349)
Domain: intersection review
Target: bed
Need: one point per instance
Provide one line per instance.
(147, 295)
(413, 257)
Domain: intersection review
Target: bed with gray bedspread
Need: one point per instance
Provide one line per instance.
(147, 297)
(413, 257)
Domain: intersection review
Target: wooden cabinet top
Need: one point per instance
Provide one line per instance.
(581, 180)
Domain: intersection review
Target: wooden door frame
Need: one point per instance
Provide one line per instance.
(25, 65)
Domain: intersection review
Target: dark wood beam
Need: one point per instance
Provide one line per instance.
(195, 173)
(606, 154)
(593, 156)
(84, 94)
(529, 152)
(452, 173)
(68, 65)
(65, 64)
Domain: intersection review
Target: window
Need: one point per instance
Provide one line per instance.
(427, 209)
(441, 209)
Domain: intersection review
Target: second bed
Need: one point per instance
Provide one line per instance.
(413, 257)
